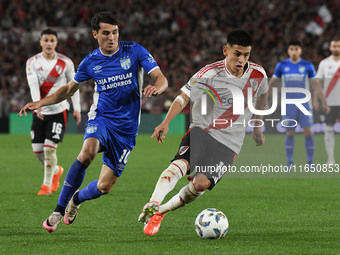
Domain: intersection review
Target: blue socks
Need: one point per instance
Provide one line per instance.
(309, 145)
(73, 180)
(90, 192)
(289, 145)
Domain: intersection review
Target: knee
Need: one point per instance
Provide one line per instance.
(290, 132)
(49, 151)
(177, 168)
(308, 133)
(86, 156)
(104, 187)
(201, 182)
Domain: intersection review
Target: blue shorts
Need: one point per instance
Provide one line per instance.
(294, 113)
(116, 148)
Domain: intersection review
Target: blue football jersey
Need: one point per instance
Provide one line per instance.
(118, 83)
(295, 75)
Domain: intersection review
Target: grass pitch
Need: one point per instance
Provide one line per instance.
(266, 215)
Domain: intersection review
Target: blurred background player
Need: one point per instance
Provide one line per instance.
(329, 73)
(297, 72)
(117, 69)
(46, 72)
(207, 144)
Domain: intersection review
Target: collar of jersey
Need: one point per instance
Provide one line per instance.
(294, 62)
(55, 56)
(108, 55)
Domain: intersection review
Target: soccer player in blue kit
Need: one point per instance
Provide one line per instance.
(297, 72)
(117, 69)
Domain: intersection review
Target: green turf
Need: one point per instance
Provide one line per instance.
(266, 215)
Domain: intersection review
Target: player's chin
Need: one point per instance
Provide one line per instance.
(110, 46)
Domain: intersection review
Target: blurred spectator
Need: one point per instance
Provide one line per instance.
(183, 35)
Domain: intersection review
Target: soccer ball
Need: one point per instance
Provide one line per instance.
(211, 223)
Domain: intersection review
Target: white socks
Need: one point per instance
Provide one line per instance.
(47, 155)
(329, 143)
(50, 151)
(185, 196)
(168, 180)
(38, 150)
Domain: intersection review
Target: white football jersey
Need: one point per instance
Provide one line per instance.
(213, 102)
(44, 77)
(329, 72)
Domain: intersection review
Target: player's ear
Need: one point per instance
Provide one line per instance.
(94, 33)
(225, 50)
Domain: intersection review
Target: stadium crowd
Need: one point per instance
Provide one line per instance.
(182, 35)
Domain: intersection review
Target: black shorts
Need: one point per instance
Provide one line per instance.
(53, 127)
(205, 155)
(333, 115)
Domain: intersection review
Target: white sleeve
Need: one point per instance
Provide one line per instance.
(264, 85)
(76, 101)
(32, 80)
(320, 73)
(191, 87)
(69, 73)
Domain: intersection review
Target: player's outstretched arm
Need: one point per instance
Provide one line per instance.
(176, 107)
(60, 95)
(161, 84)
(257, 135)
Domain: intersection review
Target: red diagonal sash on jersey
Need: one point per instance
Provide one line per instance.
(52, 78)
(333, 82)
(228, 114)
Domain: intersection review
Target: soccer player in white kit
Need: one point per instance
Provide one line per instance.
(329, 73)
(46, 72)
(213, 139)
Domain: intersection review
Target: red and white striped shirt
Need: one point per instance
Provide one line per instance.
(329, 72)
(219, 120)
(44, 77)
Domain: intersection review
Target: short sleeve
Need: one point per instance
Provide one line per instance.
(69, 72)
(263, 86)
(193, 89)
(311, 71)
(145, 59)
(82, 74)
(320, 73)
(278, 70)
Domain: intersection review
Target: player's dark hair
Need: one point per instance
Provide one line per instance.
(49, 31)
(240, 37)
(105, 17)
(336, 38)
(294, 43)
